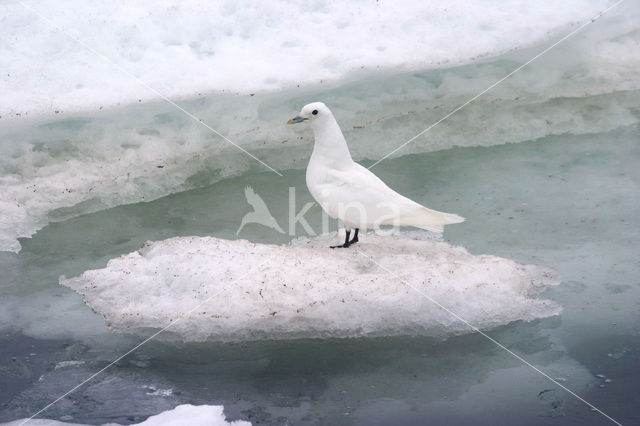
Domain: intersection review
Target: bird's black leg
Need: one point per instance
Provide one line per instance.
(346, 240)
(347, 243)
(355, 237)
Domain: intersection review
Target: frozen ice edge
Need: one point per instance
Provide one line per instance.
(195, 415)
(250, 291)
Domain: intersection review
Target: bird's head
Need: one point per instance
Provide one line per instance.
(315, 111)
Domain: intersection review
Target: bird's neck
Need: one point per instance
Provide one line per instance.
(330, 147)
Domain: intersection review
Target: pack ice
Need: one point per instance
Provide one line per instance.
(217, 289)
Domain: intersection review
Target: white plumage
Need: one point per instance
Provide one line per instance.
(350, 192)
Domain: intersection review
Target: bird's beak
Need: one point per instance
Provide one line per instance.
(296, 119)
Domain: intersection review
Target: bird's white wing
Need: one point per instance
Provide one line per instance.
(357, 186)
(360, 185)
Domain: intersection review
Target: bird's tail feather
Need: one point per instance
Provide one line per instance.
(430, 220)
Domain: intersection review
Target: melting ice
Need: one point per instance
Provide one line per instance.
(238, 290)
(203, 415)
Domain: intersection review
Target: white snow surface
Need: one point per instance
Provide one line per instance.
(216, 289)
(193, 415)
(87, 55)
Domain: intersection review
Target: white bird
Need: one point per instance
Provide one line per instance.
(260, 213)
(350, 192)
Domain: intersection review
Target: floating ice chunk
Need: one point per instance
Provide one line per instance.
(195, 415)
(152, 390)
(238, 290)
(619, 354)
(209, 415)
(65, 364)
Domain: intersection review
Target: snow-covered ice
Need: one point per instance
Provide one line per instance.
(182, 49)
(194, 415)
(237, 290)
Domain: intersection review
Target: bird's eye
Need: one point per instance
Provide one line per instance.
(314, 112)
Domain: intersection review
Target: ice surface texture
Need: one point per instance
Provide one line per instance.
(307, 290)
(194, 415)
(181, 49)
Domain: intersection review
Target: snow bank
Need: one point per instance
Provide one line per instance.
(246, 291)
(245, 46)
(195, 415)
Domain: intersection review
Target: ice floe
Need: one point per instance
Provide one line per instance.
(233, 290)
(194, 415)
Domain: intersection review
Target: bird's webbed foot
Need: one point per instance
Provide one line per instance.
(347, 243)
